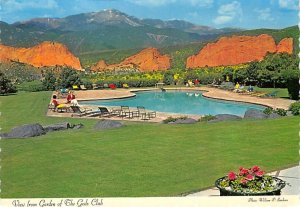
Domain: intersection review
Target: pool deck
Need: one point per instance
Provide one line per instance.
(208, 92)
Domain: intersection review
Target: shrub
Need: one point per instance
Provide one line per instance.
(49, 82)
(68, 78)
(6, 85)
(191, 75)
(207, 118)
(209, 78)
(173, 119)
(281, 112)
(268, 110)
(169, 78)
(87, 84)
(134, 83)
(32, 86)
(293, 87)
(295, 108)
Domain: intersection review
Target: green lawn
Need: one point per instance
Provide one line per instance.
(140, 159)
(282, 92)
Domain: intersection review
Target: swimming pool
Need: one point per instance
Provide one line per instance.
(179, 102)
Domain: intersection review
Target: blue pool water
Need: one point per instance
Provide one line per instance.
(179, 102)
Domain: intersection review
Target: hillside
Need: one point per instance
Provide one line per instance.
(112, 36)
(180, 53)
(105, 30)
(277, 34)
(46, 54)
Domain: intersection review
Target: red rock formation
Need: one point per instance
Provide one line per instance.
(237, 50)
(148, 59)
(44, 54)
(285, 45)
(101, 65)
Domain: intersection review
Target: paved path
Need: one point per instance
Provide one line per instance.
(231, 96)
(290, 175)
(209, 92)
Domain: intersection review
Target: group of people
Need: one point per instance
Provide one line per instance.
(70, 100)
(191, 83)
(239, 88)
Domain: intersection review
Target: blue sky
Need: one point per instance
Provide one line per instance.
(215, 13)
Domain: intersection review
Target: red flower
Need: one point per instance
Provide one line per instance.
(259, 173)
(244, 181)
(244, 171)
(250, 177)
(231, 176)
(255, 168)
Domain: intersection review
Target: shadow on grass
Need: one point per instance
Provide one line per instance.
(8, 94)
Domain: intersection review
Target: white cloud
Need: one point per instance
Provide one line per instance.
(289, 4)
(200, 3)
(264, 14)
(14, 5)
(229, 12)
(222, 19)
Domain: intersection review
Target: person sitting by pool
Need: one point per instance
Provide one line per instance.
(196, 82)
(57, 105)
(236, 87)
(54, 101)
(70, 97)
(250, 88)
(74, 102)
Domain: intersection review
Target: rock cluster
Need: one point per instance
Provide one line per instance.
(237, 50)
(148, 59)
(34, 130)
(107, 124)
(42, 55)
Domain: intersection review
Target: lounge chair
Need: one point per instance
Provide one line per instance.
(116, 111)
(125, 85)
(191, 84)
(112, 86)
(51, 107)
(95, 86)
(104, 112)
(272, 94)
(258, 94)
(82, 87)
(145, 115)
(75, 87)
(82, 112)
(125, 112)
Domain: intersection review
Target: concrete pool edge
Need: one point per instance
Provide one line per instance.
(208, 92)
(142, 99)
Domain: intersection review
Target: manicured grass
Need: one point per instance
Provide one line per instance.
(282, 92)
(140, 159)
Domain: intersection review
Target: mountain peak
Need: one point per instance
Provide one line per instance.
(112, 17)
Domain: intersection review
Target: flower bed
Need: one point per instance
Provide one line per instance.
(252, 181)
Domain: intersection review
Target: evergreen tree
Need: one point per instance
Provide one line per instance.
(6, 85)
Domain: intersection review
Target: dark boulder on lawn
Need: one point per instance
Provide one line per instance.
(28, 130)
(77, 126)
(255, 114)
(107, 124)
(225, 117)
(57, 127)
(184, 121)
(274, 116)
